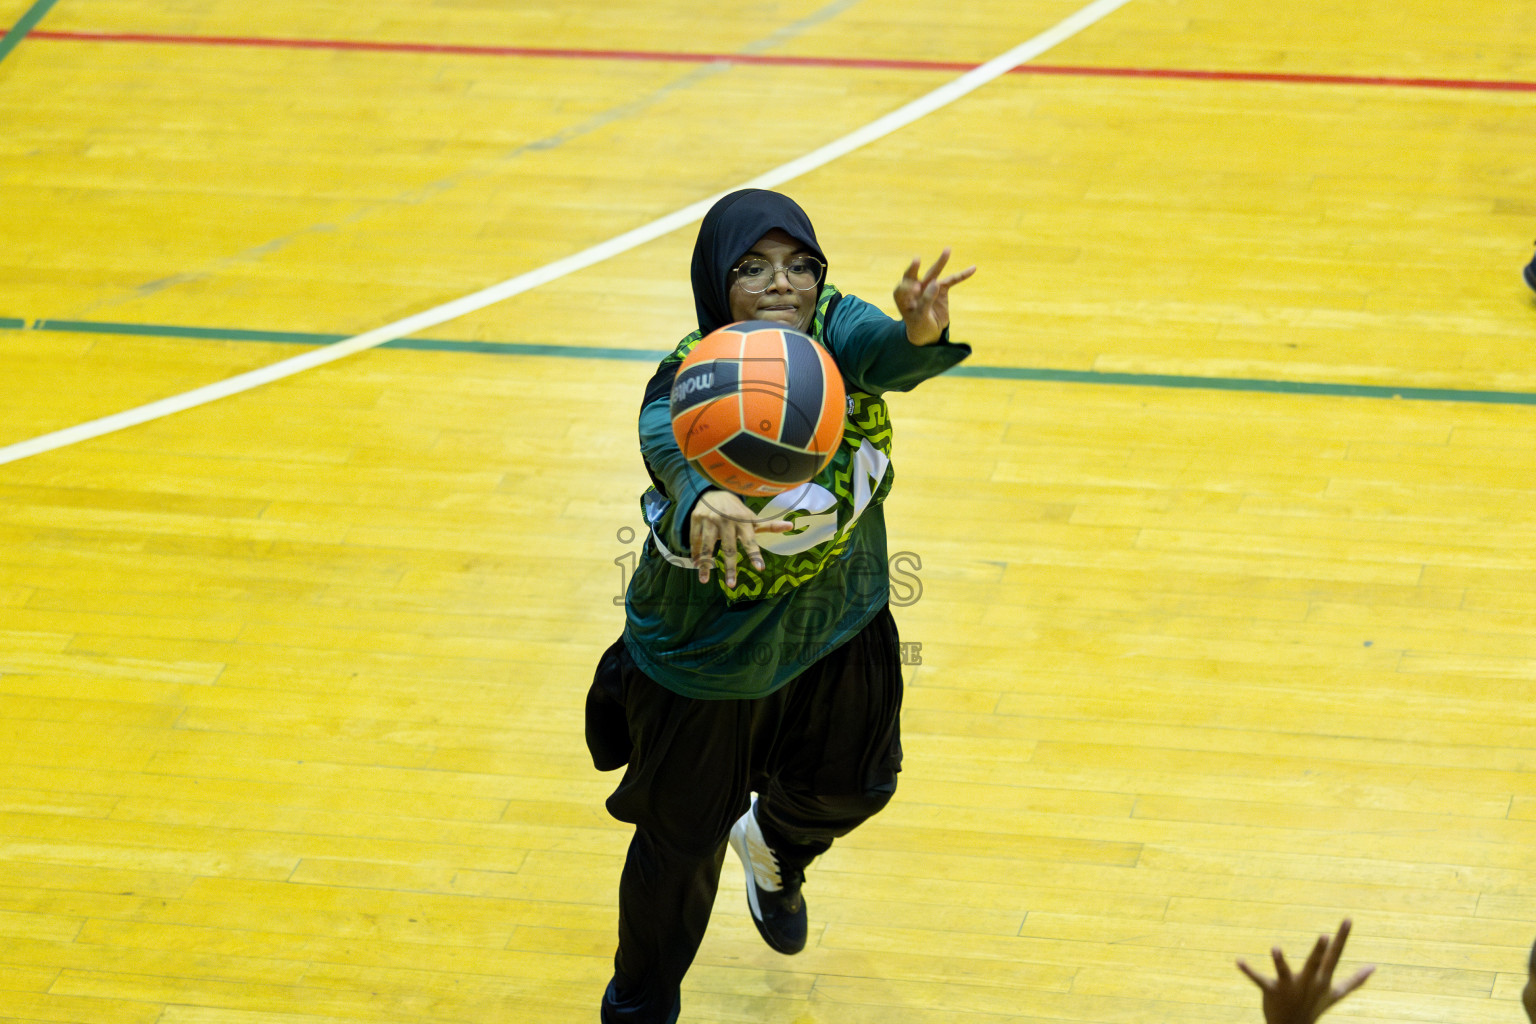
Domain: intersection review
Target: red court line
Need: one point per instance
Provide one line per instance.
(788, 61)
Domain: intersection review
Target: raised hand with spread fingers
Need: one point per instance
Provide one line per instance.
(1302, 996)
(923, 299)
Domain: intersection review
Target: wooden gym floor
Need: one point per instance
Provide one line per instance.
(1220, 641)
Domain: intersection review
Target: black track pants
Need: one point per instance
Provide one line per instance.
(822, 754)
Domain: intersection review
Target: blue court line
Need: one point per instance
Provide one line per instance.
(26, 23)
(1145, 380)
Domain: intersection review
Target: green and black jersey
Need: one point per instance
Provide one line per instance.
(823, 581)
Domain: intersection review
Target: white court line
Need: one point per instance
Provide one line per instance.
(918, 108)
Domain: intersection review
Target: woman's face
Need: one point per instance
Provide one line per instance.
(780, 301)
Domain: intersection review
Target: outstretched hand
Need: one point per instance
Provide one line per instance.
(722, 517)
(1303, 996)
(923, 299)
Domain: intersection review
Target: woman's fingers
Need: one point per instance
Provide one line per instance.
(918, 291)
(938, 266)
(954, 279)
(704, 541)
(721, 519)
(754, 556)
(728, 553)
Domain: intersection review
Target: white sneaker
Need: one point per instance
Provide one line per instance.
(773, 892)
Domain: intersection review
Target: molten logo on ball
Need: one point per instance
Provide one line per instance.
(758, 407)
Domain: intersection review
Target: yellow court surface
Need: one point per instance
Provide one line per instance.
(1217, 559)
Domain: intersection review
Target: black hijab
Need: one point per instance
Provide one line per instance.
(730, 229)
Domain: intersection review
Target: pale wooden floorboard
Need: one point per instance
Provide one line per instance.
(291, 684)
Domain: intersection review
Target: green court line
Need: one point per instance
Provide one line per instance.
(1279, 387)
(1144, 380)
(173, 331)
(302, 338)
(26, 23)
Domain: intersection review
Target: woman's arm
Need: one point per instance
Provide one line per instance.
(703, 514)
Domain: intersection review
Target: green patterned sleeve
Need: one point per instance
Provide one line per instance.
(681, 482)
(674, 478)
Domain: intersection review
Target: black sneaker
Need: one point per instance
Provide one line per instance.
(1530, 274)
(773, 892)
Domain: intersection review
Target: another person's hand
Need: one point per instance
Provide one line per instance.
(721, 517)
(1528, 994)
(923, 299)
(1304, 996)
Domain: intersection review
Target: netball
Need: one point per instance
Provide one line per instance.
(758, 407)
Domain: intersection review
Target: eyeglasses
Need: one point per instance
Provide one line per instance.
(756, 274)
